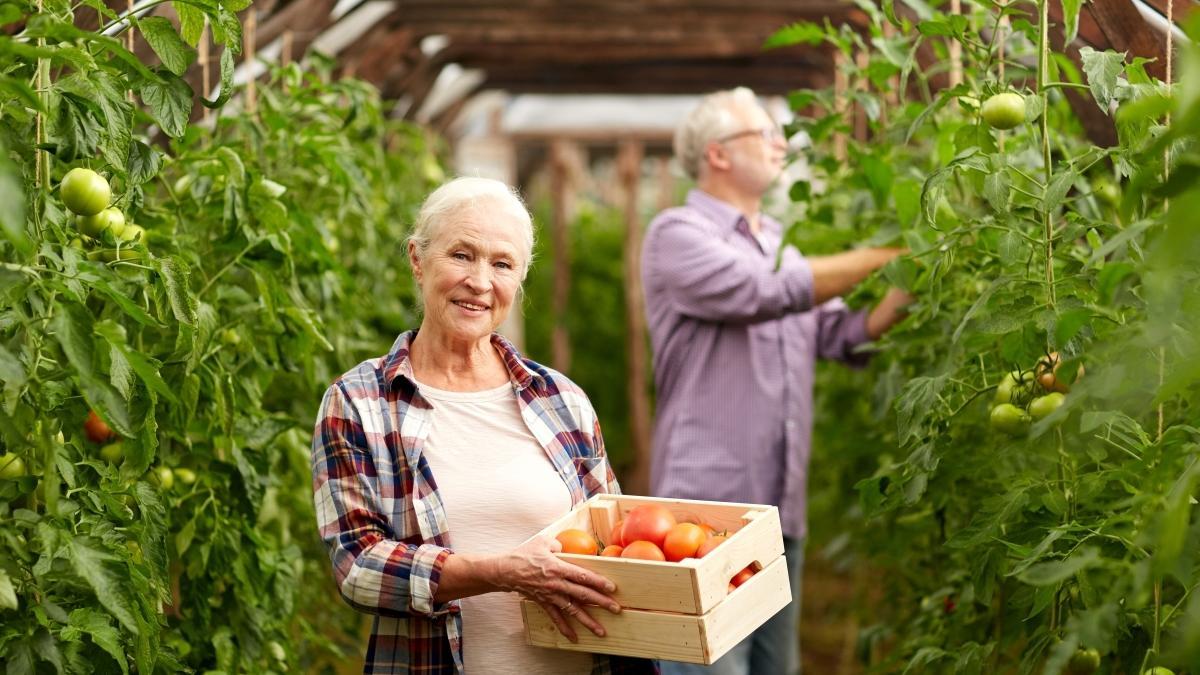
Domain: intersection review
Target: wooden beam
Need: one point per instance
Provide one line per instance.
(562, 203)
(1127, 31)
(305, 18)
(629, 172)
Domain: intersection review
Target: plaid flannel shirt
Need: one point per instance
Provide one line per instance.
(382, 518)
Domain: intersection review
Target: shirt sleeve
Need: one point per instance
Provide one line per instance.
(840, 331)
(375, 572)
(708, 279)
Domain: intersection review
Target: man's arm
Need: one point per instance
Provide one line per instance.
(835, 275)
(889, 312)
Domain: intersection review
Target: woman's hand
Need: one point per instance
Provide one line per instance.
(560, 588)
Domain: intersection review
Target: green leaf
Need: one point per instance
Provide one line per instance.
(170, 103)
(91, 564)
(175, 54)
(45, 647)
(175, 276)
(143, 164)
(1069, 324)
(1070, 10)
(1057, 191)
(20, 91)
(916, 400)
(12, 205)
(147, 369)
(799, 33)
(1048, 573)
(191, 22)
(69, 327)
(1102, 70)
(226, 81)
(97, 626)
(8, 594)
(227, 30)
(996, 189)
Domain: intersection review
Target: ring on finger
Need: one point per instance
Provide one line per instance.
(567, 607)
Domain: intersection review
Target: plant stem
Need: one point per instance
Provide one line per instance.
(1048, 169)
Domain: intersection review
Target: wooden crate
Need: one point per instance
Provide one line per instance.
(681, 611)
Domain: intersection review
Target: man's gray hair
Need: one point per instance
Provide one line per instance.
(708, 121)
(464, 193)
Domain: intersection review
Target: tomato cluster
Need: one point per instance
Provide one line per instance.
(651, 532)
(88, 195)
(1026, 396)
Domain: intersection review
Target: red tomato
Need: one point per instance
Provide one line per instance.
(709, 544)
(615, 536)
(648, 522)
(682, 541)
(612, 551)
(643, 550)
(96, 429)
(577, 541)
(741, 577)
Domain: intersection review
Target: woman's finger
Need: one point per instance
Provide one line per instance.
(560, 622)
(581, 615)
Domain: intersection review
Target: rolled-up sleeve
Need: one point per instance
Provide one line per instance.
(708, 279)
(840, 331)
(375, 572)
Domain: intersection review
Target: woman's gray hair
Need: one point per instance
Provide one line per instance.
(470, 192)
(708, 121)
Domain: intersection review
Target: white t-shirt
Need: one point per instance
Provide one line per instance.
(499, 488)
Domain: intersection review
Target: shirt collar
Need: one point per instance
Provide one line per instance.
(727, 215)
(398, 362)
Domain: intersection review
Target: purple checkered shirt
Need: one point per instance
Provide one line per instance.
(735, 343)
(381, 515)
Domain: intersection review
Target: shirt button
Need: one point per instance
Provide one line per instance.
(791, 424)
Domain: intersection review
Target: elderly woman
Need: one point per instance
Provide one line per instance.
(435, 464)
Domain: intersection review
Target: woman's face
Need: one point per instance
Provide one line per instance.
(471, 271)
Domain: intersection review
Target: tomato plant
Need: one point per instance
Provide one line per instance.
(290, 212)
(1031, 247)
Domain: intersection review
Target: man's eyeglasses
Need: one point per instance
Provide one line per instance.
(768, 134)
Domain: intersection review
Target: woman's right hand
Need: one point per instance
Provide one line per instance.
(560, 588)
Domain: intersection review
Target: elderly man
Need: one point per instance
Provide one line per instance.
(736, 338)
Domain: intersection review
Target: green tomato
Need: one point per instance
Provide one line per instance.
(113, 255)
(1042, 406)
(113, 453)
(85, 192)
(1159, 670)
(1004, 111)
(1010, 419)
(132, 233)
(12, 467)
(185, 476)
(109, 219)
(1083, 662)
(277, 651)
(1107, 191)
(164, 477)
(1013, 387)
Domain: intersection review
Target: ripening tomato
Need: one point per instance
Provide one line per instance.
(709, 544)
(648, 522)
(96, 429)
(709, 530)
(577, 541)
(742, 576)
(612, 551)
(643, 550)
(682, 541)
(1047, 374)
